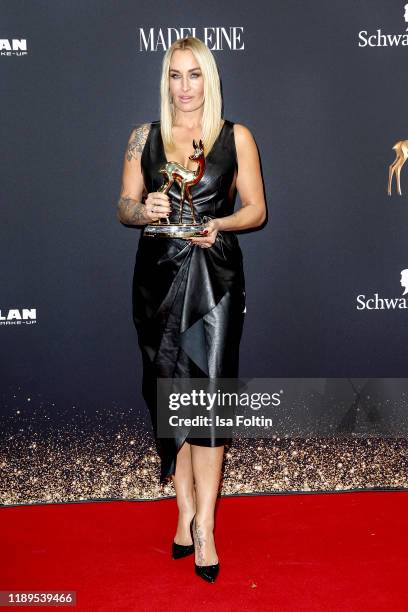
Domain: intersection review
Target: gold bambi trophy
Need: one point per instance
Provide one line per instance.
(173, 171)
(401, 156)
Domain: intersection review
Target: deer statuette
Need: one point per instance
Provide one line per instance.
(173, 171)
(401, 152)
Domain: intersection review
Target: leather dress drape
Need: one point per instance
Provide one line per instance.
(188, 301)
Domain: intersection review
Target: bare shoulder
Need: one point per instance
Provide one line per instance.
(243, 135)
(137, 140)
(245, 145)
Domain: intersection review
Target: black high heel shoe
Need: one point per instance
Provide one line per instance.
(178, 551)
(207, 572)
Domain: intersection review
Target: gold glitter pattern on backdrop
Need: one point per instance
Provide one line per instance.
(51, 454)
(127, 467)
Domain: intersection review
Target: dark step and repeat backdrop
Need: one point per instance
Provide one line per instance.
(323, 88)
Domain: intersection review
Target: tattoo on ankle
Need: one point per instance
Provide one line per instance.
(201, 541)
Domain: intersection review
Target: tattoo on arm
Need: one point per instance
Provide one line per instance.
(132, 212)
(137, 141)
(129, 210)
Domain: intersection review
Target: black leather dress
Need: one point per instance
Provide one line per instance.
(188, 301)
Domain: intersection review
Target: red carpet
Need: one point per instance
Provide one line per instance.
(344, 551)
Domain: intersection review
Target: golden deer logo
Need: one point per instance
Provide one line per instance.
(401, 152)
(173, 171)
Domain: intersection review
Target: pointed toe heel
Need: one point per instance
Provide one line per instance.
(178, 551)
(207, 572)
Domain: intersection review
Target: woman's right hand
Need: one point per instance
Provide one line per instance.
(157, 205)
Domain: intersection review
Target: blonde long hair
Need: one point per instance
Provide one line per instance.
(211, 122)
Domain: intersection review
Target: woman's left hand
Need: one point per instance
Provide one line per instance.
(208, 240)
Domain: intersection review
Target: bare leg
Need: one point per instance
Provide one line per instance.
(184, 486)
(207, 464)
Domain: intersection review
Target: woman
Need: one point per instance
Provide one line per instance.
(189, 294)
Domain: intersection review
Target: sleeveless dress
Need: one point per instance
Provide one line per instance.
(188, 301)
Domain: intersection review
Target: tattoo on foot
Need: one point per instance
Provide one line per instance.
(201, 541)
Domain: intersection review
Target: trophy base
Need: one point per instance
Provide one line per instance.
(174, 230)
